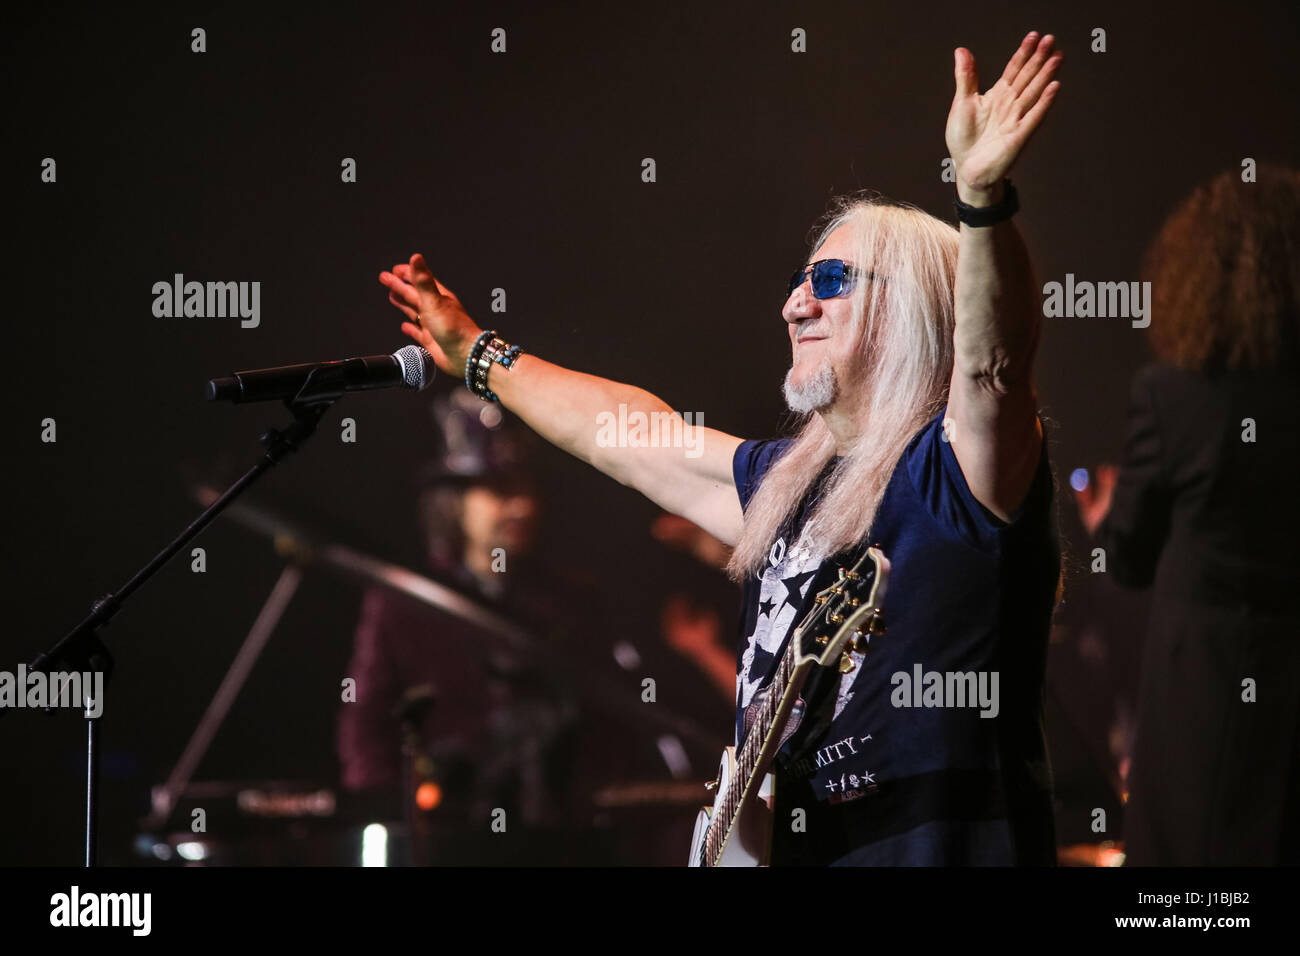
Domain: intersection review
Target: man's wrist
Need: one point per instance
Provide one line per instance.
(980, 196)
(488, 350)
(988, 213)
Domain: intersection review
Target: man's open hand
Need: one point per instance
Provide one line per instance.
(986, 133)
(437, 321)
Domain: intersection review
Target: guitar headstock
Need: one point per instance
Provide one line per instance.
(847, 611)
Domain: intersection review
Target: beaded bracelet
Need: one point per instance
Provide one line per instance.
(486, 350)
(475, 351)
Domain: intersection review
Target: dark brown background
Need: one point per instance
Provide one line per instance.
(520, 171)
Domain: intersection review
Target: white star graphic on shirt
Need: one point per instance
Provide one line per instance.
(770, 630)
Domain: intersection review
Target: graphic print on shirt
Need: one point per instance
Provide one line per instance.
(784, 585)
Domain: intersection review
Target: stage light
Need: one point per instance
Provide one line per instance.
(374, 845)
(192, 850)
(428, 795)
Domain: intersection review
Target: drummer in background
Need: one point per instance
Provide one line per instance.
(492, 731)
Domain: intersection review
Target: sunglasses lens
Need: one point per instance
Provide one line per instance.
(828, 279)
(796, 280)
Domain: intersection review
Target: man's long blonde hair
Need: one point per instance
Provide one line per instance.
(903, 325)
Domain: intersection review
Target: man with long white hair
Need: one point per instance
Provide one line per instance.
(912, 350)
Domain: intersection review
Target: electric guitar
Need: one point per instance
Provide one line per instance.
(737, 829)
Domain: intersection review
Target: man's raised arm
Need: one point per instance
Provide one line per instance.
(691, 477)
(992, 418)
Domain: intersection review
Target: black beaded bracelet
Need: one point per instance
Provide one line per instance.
(990, 215)
(487, 350)
(475, 351)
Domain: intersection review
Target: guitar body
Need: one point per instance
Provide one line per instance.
(750, 841)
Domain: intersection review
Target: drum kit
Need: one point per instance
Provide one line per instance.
(317, 823)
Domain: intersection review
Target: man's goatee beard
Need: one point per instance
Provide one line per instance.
(815, 394)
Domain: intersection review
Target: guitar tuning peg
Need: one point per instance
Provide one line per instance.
(861, 642)
(846, 663)
(823, 640)
(877, 625)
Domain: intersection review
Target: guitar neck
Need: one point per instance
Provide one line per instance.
(762, 740)
(774, 713)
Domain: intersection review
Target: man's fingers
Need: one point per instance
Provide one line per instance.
(408, 310)
(1031, 94)
(422, 337)
(968, 82)
(390, 280)
(1020, 57)
(401, 293)
(1026, 74)
(422, 275)
(1029, 122)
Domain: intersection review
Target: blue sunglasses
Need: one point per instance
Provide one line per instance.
(830, 277)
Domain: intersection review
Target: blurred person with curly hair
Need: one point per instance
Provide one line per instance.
(1203, 511)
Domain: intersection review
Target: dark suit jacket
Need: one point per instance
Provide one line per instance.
(1211, 520)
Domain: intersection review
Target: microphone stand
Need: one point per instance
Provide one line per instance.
(81, 649)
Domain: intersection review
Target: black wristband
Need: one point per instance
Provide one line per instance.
(990, 215)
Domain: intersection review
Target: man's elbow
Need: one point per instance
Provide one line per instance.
(998, 360)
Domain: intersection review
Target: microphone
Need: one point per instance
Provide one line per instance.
(408, 367)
